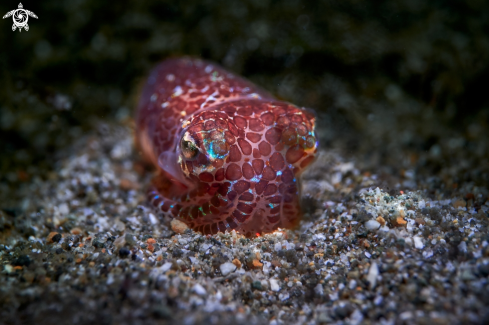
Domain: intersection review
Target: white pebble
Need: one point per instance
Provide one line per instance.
(378, 300)
(227, 268)
(356, 317)
(406, 315)
(165, 267)
(373, 273)
(372, 225)
(462, 247)
(63, 208)
(8, 268)
(421, 204)
(283, 296)
(198, 289)
(353, 284)
(336, 178)
(274, 285)
(319, 289)
(418, 242)
(277, 246)
(153, 219)
(428, 253)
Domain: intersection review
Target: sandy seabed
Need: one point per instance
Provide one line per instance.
(88, 248)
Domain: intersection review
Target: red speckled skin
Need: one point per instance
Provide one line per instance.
(249, 149)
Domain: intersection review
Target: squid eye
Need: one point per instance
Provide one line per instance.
(189, 149)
